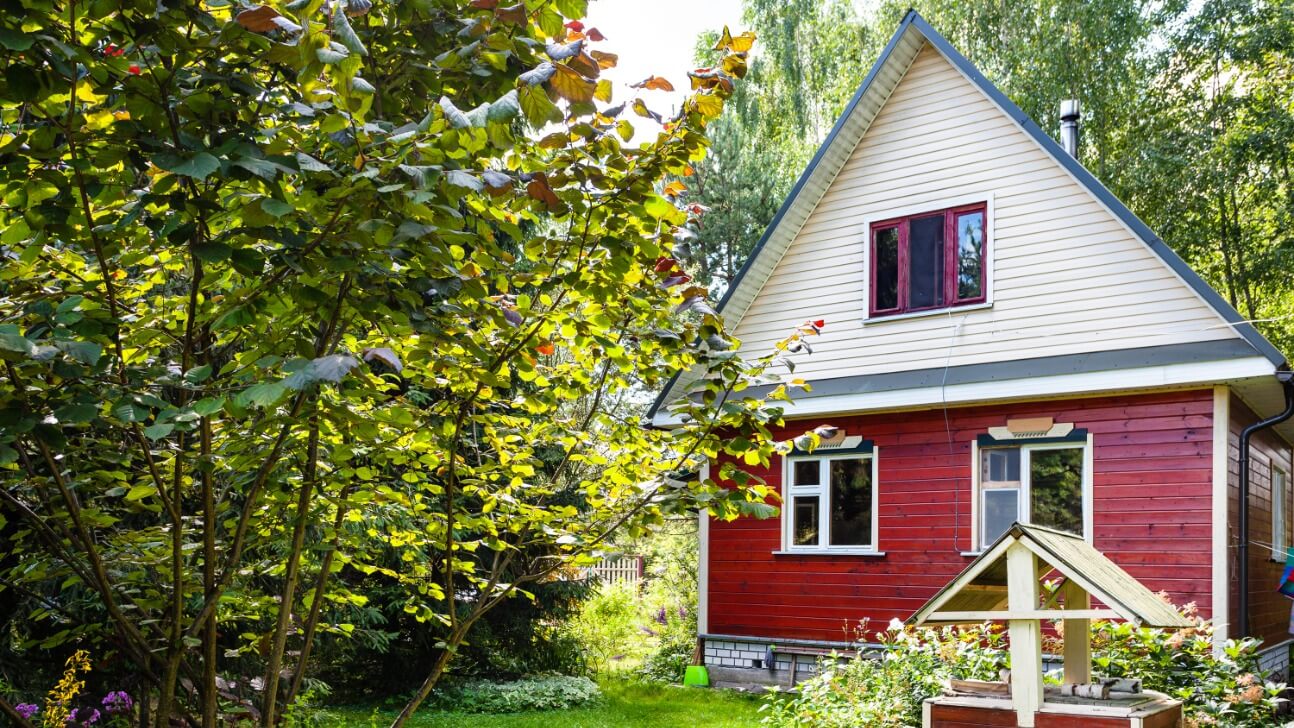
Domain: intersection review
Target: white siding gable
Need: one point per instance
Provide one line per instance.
(1067, 276)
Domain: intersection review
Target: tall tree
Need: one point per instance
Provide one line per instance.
(289, 288)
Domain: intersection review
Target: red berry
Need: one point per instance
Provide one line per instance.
(134, 69)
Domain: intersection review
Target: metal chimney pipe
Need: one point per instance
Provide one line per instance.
(1069, 115)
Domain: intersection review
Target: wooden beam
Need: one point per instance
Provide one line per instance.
(1025, 634)
(1078, 635)
(998, 615)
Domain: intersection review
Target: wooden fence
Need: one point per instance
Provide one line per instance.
(626, 569)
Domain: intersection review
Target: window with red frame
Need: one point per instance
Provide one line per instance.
(929, 261)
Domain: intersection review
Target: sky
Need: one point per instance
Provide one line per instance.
(656, 38)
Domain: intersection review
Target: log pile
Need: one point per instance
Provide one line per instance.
(1101, 688)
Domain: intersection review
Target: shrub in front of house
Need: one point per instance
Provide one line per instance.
(1226, 691)
(546, 692)
(886, 692)
(610, 628)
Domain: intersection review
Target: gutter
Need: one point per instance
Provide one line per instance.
(1286, 378)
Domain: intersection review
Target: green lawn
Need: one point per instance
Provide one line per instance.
(624, 704)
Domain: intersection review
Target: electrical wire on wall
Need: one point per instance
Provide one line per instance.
(948, 428)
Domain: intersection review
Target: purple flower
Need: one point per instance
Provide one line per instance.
(682, 612)
(118, 701)
(74, 718)
(27, 710)
(660, 616)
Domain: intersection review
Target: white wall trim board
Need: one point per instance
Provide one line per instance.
(703, 563)
(1221, 540)
(1144, 378)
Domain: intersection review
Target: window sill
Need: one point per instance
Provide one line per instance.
(884, 318)
(829, 552)
(972, 554)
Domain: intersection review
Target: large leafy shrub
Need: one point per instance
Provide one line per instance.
(670, 600)
(549, 692)
(887, 690)
(296, 291)
(609, 627)
(1224, 690)
(912, 665)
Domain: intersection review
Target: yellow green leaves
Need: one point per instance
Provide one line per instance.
(738, 44)
(140, 492)
(344, 33)
(538, 108)
(571, 85)
(198, 166)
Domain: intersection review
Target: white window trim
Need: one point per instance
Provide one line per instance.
(1025, 485)
(943, 203)
(822, 490)
(1280, 534)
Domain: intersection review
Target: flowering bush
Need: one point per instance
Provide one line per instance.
(1224, 691)
(58, 704)
(886, 692)
(118, 706)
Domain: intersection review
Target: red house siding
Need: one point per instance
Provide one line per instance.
(1152, 479)
(1269, 611)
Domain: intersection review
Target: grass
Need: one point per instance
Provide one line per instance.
(633, 705)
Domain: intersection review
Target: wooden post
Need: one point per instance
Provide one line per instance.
(1025, 634)
(1078, 636)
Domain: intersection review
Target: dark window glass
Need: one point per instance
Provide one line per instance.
(1002, 465)
(1001, 509)
(886, 262)
(806, 521)
(1056, 489)
(970, 255)
(851, 502)
(807, 472)
(926, 262)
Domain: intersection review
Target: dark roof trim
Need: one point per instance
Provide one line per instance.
(863, 447)
(1085, 178)
(1048, 366)
(799, 184)
(1075, 435)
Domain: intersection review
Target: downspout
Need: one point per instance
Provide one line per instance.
(1286, 379)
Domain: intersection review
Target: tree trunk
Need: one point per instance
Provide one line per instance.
(288, 596)
(316, 604)
(436, 671)
(210, 699)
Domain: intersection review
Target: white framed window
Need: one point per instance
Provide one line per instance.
(829, 503)
(1280, 511)
(1044, 484)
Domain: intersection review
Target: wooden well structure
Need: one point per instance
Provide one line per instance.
(1004, 585)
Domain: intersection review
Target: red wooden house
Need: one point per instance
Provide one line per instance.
(1005, 341)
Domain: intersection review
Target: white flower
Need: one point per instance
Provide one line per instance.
(896, 625)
